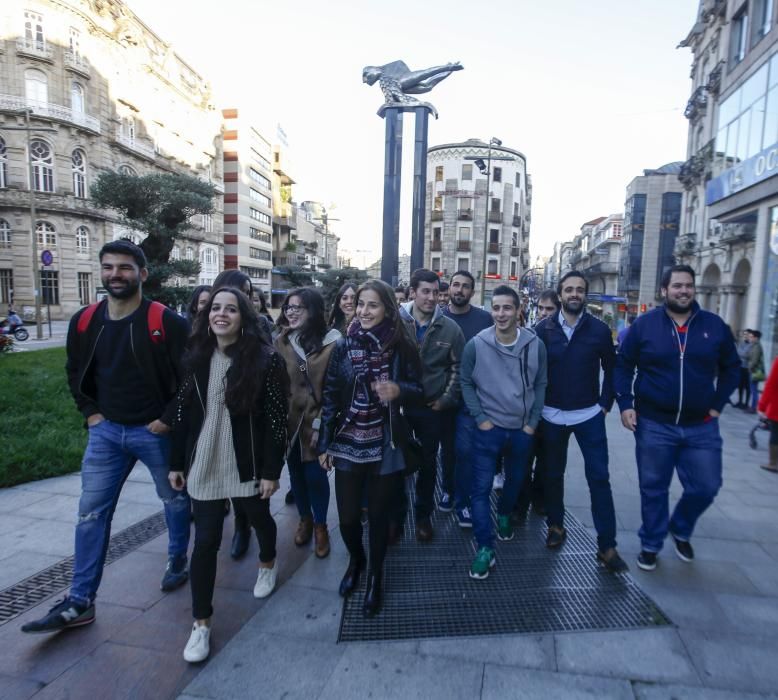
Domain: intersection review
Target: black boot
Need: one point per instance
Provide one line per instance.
(372, 603)
(242, 536)
(350, 579)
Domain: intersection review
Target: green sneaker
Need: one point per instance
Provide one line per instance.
(484, 560)
(504, 528)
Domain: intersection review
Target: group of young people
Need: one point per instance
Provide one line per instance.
(215, 407)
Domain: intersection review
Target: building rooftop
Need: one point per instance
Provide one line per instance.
(667, 169)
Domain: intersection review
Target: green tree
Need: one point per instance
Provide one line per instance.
(333, 279)
(160, 205)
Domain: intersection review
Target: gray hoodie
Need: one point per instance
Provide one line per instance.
(504, 385)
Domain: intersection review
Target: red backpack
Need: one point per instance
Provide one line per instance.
(154, 318)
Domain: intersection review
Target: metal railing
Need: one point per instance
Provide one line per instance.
(494, 247)
(465, 214)
(437, 215)
(436, 245)
(495, 217)
(31, 47)
(77, 62)
(463, 246)
(135, 145)
(52, 111)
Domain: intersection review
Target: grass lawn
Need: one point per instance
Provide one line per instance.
(43, 433)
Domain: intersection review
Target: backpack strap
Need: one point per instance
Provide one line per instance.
(86, 317)
(154, 318)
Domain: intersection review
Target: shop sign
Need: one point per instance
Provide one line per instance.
(746, 174)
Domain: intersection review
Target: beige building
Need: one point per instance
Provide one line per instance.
(105, 93)
(599, 245)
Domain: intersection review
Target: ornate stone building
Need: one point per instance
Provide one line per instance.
(103, 93)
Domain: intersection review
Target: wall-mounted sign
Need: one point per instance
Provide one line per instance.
(746, 174)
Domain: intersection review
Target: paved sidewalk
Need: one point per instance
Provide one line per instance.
(725, 606)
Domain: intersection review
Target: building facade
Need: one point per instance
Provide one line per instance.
(468, 229)
(248, 199)
(599, 246)
(730, 206)
(103, 93)
(651, 224)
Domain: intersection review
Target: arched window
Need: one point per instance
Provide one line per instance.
(127, 170)
(82, 239)
(77, 98)
(78, 167)
(189, 253)
(47, 235)
(36, 85)
(3, 164)
(42, 166)
(5, 234)
(208, 257)
(128, 127)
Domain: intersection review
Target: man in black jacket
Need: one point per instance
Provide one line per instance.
(123, 368)
(578, 345)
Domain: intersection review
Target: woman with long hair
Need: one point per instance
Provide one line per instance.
(343, 308)
(228, 442)
(372, 371)
(306, 345)
(197, 302)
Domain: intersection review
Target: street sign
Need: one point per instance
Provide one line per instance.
(47, 258)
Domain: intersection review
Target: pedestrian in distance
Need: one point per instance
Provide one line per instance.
(443, 294)
(744, 386)
(372, 371)
(440, 343)
(687, 367)
(503, 384)
(768, 408)
(755, 366)
(400, 295)
(228, 443)
(342, 312)
(579, 346)
(197, 302)
(306, 345)
(124, 369)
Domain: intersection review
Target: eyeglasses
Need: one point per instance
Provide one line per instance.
(292, 309)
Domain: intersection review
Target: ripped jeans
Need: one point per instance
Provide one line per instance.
(110, 455)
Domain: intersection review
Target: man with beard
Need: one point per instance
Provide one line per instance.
(123, 367)
(578, 345)
(458, 425)
(687, 367)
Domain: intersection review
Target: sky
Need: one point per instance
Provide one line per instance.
(591, 92)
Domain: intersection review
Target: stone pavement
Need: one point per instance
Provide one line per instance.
(724, 605)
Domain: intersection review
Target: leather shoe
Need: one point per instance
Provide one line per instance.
(350, 579)
(555, 537)
(372, 602)
(424, 531)
(240, 543)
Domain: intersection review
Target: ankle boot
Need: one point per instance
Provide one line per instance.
(304, 531)
(321, 541)
(772, 466)
(350, 579)
(372, 603)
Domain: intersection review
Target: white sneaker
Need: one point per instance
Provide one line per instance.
(266, 581)
(199, 645)
(499, 481)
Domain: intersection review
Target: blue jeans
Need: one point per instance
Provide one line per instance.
(754, 394)
(465, 433)
(593, 441)
(488, 445)
(310, 486)
(111, 452)
(695, 452)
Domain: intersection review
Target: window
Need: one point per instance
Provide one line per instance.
(5, 234)
(435, 263)
(75, 42)
(175, 254)
(514, 266)
(439, 173)
(190, 253)
(438, 205)
(463, 264)
(514, 239)
(260, 179)
(256, 273)
(257, 156)
(495, 204)
(84, 288)
(3, 163)
(42, 166)
(33, 30)
(467, 172)
(6, 286)
(491, 267)
(78, 166)
(465, 204)
(436, 232)
(47, 235)
(497, 176)
(259, 254)
(259, 216)
(515, 208)
(518, 180)
(77, 98)
(82, 239)
(464, 233)
(739, 36)
(207, 223)
(259, 197)
(494, 236)
(208, 257)
(258, 235)
(50, 286)
(763, 16)
(36, 85)
(128, 128)
(127, 170)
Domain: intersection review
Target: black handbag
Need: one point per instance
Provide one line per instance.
(410, 445)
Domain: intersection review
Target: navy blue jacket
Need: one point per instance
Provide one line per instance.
(574, 366)
(670, 388)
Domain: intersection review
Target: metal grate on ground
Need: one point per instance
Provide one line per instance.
(28, 593)
(428, 593)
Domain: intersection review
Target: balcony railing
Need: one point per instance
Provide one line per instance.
(51, 111)
(436, 245)
(694, 170)
(686, 244)
(737, 233)
(437, 215)
(134, 145)
(495, 216)
(465, 215)
(494, 247)
(76, 62)
(36, 49)
(714, 79)
(463, 246)
(697, 104)
(515, 250)
(516, 220)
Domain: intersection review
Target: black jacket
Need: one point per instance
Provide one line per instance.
(340, 384)
(574, 366)
(160, 363)
(258, 437)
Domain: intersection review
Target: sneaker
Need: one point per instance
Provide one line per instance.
(484, 560)
(647, 560)
(464, 519)
(504, 528)
(555, 537)
(176, 573)
(199, 645)
(683, 549)
(66, 613)
(611, 560)
(499, 481)
(445, 503)
(266, 581)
